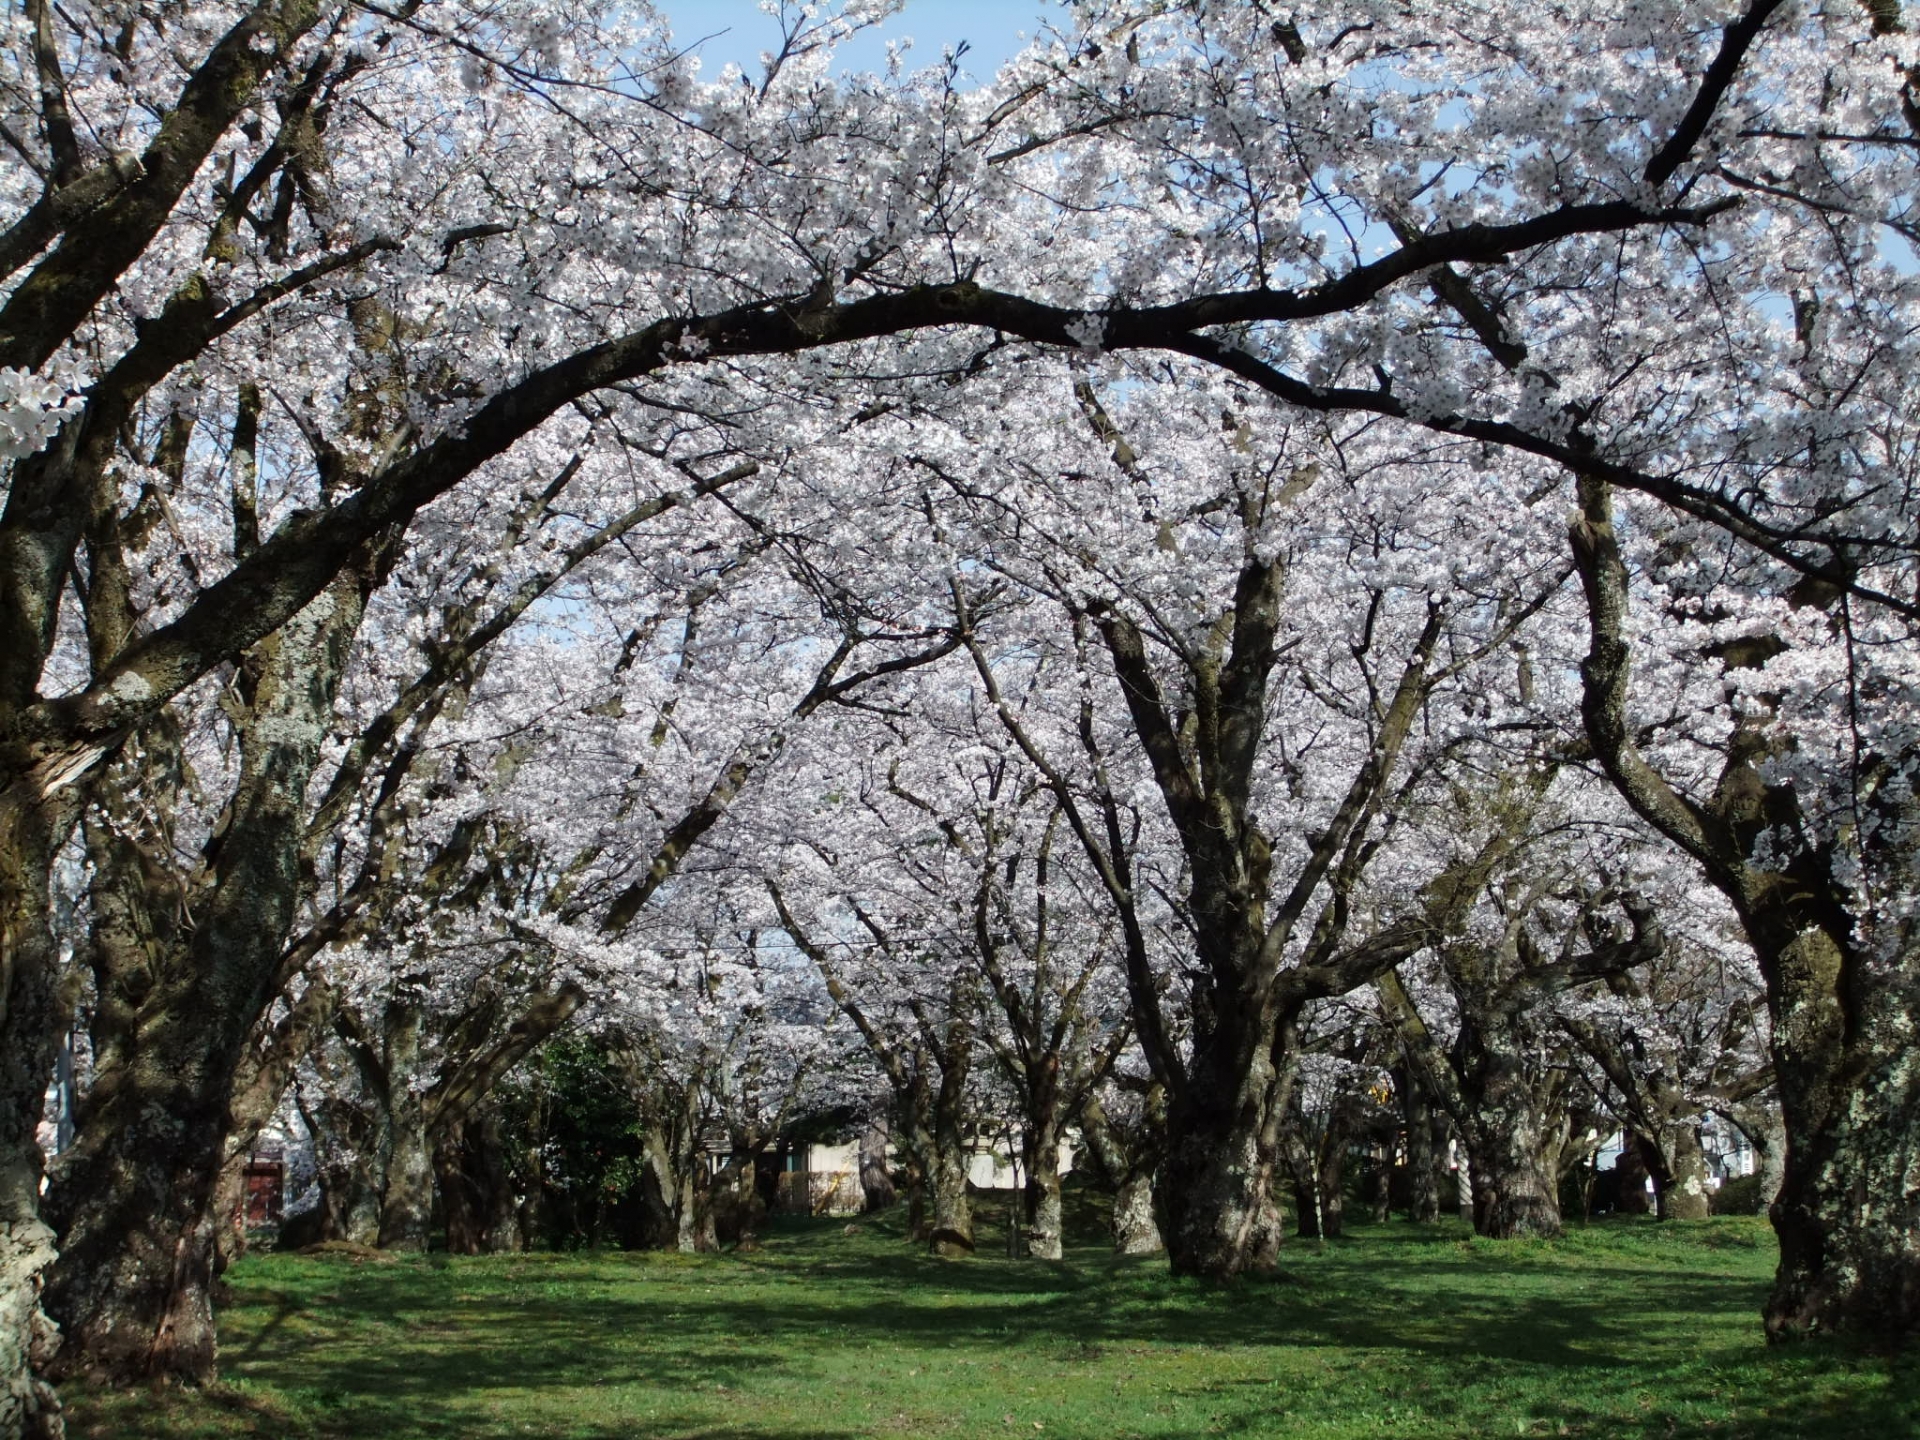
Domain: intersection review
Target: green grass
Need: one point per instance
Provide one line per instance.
(1624, 1329)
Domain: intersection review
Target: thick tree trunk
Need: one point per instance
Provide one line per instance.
(29, 1407)
(33, 1016)
(476, 1190)
(135, 1198)
(1515, 1190)
(1631, 1175)
(1681, 1191)
(1216, 1187)
(1848, 1211)
(1773, 1159)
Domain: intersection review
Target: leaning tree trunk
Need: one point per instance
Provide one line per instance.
(135, 1202)
(1841, 985)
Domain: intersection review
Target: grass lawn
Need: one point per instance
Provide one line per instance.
(1623, 1329)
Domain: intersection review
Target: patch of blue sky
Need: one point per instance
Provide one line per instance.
(738, 32)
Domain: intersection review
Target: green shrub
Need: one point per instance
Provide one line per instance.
(1739, 1197)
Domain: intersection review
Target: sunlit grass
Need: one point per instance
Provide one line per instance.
(1622, 1329)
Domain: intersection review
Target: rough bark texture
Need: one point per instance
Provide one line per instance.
(1216, 1187)
(1515, 1182)
(1682, 1190)
(950, 1225)
(32, 1016)
(1848, 1212)
(135, 1199)
(405, 1152)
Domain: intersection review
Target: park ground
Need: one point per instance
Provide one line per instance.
(1622, 1329)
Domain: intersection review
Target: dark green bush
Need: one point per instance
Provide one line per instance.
(1738, 1197)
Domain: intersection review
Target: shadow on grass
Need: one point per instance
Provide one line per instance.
(430, 1349)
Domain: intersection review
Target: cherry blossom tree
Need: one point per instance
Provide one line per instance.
(1512, 252)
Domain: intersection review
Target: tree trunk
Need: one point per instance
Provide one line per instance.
(1129, 1170)
(1841, 985)
(876, 1179)
(1135, 1230)
(406, 1152)
(1217, 1190)
(1773, 1159)
(1848, 1211)
(135, 1199)
(33, 1016)
(1632, 1174)
(1516, 1189)
(1423, 1164)
(476, 1190)
(1041, 1214)
(951, 1230)
(1682, 1191)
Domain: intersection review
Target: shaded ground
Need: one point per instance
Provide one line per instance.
(1624, 1329)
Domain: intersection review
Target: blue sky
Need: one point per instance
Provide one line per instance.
(992, 28)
